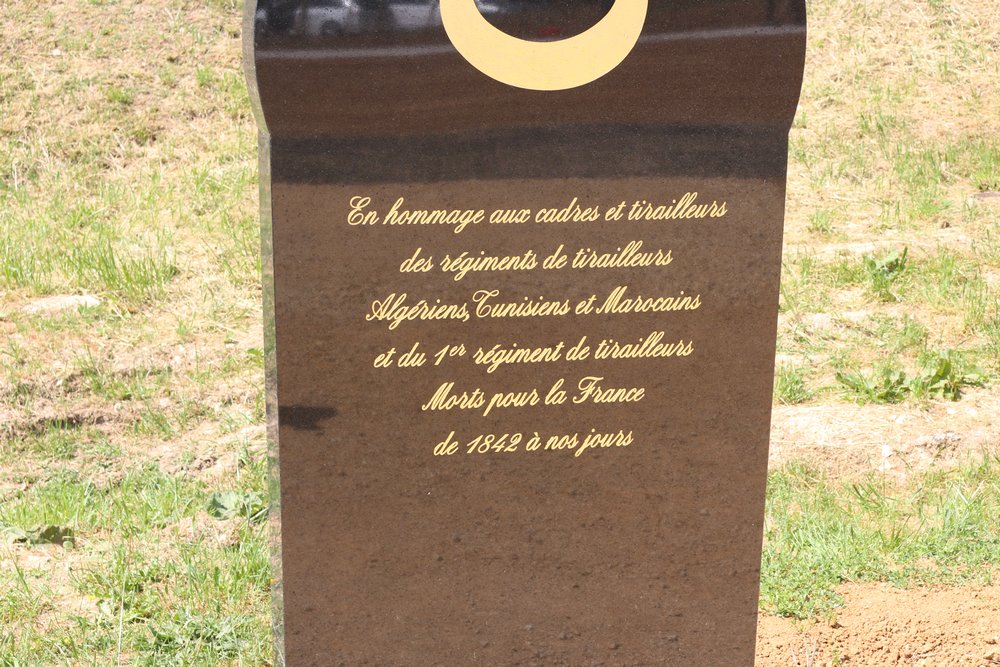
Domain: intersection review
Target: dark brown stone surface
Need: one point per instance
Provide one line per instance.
(646, 554)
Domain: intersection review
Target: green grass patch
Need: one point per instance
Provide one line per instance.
(790, 385)
(890, 326)
(940, 375)
(161, 594)
(939, 527)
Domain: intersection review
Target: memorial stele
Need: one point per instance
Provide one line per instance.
(521, 264)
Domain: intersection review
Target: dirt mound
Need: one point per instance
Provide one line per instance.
(881, 626)
(899, 440)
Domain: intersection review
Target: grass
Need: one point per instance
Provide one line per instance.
(941, 375)
(941, 527)
(790, 385)
(128, 171)
(164, 576)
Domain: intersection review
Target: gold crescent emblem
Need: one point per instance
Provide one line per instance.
(567, 63)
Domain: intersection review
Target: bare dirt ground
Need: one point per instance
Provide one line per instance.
(899, 440)
(880, 626)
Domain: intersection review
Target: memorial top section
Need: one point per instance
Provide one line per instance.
(387, 68)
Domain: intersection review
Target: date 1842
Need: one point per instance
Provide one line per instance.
(509, 443)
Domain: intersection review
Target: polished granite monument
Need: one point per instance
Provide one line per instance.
(521, 291)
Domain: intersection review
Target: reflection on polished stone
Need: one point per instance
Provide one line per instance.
(334, 20)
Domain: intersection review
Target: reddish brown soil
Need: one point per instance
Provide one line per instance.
(880, 626)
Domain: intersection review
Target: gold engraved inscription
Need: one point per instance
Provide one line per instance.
(600, 357)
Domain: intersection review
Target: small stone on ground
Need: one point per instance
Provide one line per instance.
(61, 303)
